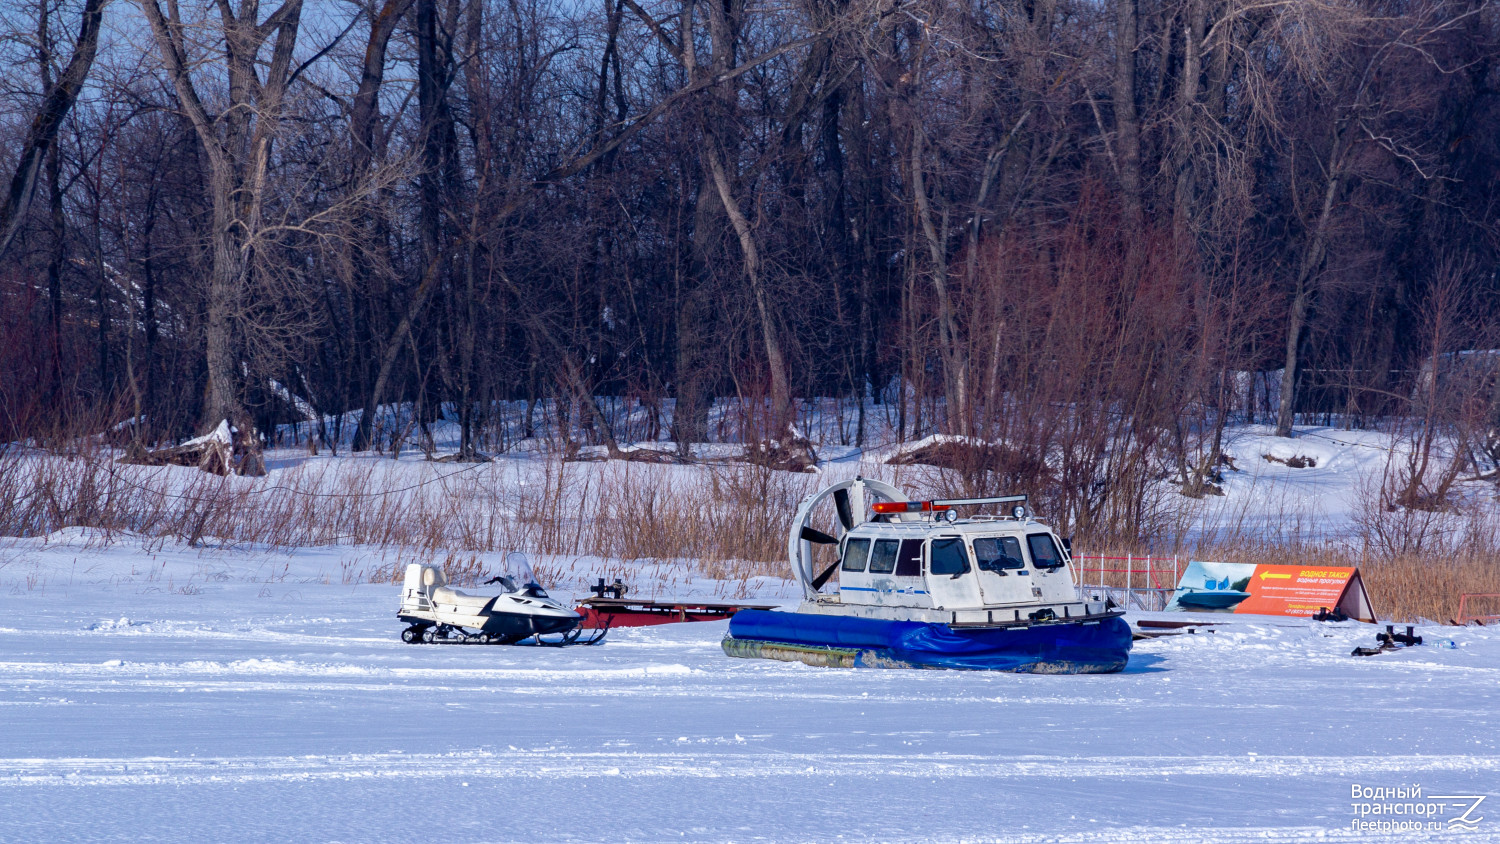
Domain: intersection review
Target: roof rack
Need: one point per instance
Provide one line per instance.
(1003, 499)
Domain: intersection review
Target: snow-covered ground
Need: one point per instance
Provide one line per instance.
(229, 692)
(179, 694)
(1316, 483)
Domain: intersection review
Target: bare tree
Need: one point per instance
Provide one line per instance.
(58, 97)
(235, 145)
(364, 261)
(1084, 234)
(1353, 75)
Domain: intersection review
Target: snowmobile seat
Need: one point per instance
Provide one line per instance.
(444, 595)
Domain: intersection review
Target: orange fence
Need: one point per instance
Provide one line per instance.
(1464, 616)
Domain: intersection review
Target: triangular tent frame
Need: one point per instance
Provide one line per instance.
(1355, 601)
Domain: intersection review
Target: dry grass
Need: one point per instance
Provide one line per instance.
(729, 519)
(1407, 587)
(726, 522)
(1415, 564)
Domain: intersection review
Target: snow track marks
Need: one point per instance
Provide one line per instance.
(558, 764)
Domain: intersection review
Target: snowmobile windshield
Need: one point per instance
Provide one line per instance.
(518, 575)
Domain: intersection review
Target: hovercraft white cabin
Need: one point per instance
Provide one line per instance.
(919, 586)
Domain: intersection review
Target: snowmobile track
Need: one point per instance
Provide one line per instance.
(562, 764)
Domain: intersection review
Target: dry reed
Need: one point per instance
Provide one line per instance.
(719, 516)
(725, 522)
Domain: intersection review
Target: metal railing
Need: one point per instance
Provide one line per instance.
(1158, 578)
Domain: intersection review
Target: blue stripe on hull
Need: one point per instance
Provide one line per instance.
(1060, 648)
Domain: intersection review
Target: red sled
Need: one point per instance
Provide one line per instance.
(603, 613)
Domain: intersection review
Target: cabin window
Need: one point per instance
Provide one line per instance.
(947, 556)
(883, 556)
(998, 553)
(909, 563)
(1043, 552)
(856, 551)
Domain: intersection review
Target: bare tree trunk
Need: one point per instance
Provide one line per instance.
(1492, 429)
(1304, 290)
(724, 26)
(55, 259)
(56, 102)
(401, 334)
(1127, 124)
(694, 372)
(1186, 121)
(579, 386)
(433, 64)
(364, 113)
(480, 130)
(955, 357)
(235, 144)
(781, 421)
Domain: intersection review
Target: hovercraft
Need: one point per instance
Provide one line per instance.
(919, 587)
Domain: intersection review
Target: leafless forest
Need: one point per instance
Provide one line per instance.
(1087, 234)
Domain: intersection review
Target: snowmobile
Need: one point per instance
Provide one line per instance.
(439, 614)
(919, 587)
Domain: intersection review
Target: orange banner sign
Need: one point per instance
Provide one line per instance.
(1271, 590)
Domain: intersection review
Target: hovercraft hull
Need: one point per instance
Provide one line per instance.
(1098, 646)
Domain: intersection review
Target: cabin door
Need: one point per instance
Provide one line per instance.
(950, 575)
(906, 587)
(1004, 577)
(1052, 575)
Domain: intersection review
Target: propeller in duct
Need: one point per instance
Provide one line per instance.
(849, 509)
(812, 534)
(823, 578)
(846, 511)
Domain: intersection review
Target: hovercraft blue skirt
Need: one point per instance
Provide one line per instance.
(1100, 646)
